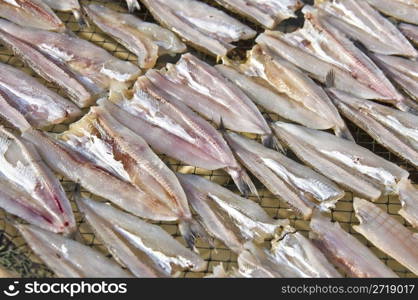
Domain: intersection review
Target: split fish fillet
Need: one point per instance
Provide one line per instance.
(170, 127)
(146, 40)
(199, 24)
(29, 189)
(404, 10)
(68, 258)
(387, 234)
(410, 31)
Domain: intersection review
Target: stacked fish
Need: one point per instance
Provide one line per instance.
(351, 58)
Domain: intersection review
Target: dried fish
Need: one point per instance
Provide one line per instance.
(204, 89)
(299, 186)
(404, 10)
(394, 129)
(170, 127)
(343, 161)
(268, 13)
(228, 217)
(145, 249)
(345, 251)
(363, 23)
(387, 234)
(133, 5)
(146, 40)
(408, 195)
(276, 84)
(67, 6)
(325, 53)
(39, 105)
(81, 68)
(29, 189)
(200, 25)
(410, 31)
(31, 13)
(68, 258)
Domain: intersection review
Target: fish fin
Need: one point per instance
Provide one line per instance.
(132, 5)
(191, 229)
(242, 181)
(330, 79)
(272, 142)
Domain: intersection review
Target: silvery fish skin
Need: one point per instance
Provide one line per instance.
(410, 31)
(91, 66)
(345, 251)
(78, 168)
(68, 258)
(308, 104)
(145, 249)
(29, 189)
(146, 40)
(39, 105)
(346, 163)
(111, 146)
(31, 13)
(67, 6)
(394, 129)
(226, 216)
(301, 255)
(268, 13)
(202, 26)
(321, 50)
(387, 234)
(362, 22)
(404, 10)
(299, 186)
(204, 89)
(170, 127)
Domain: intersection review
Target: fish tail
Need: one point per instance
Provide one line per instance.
(272, 142)
(242, 181)
(191, 229)
(408, 195)
(132, 5)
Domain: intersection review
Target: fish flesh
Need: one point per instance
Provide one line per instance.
(84, 70)
(204, 89)
(404, 10)
(344, 162)
(304, 101)
(145, 249)
(226, 216)
(268, 13)
(387, 234)
(410, 31)
(394, 129)
(68, 258)
(112, 147)
(29, 189)
(67, 6)
(345, 251)
(170, 127)
(363, 23)
(31, 13)
(300, 187)
(39, 105)
(146, 40)
(200, 25)
(328, 55)
(402, 71)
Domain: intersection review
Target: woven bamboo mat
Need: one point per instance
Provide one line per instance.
(16, 255)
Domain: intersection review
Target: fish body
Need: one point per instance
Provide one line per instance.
(345, 251)
(29, 189)
(226, 216)
(404, 10)
(342, 161)
(299, 186)
(145, 249)
(68, 258)
(41, 106)
(410, 31)
(362, 22)
(199, 24)
(170, 127)
(31, 13)
(387, 234)
(204, 89)
(268, 13)
(146, 40)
